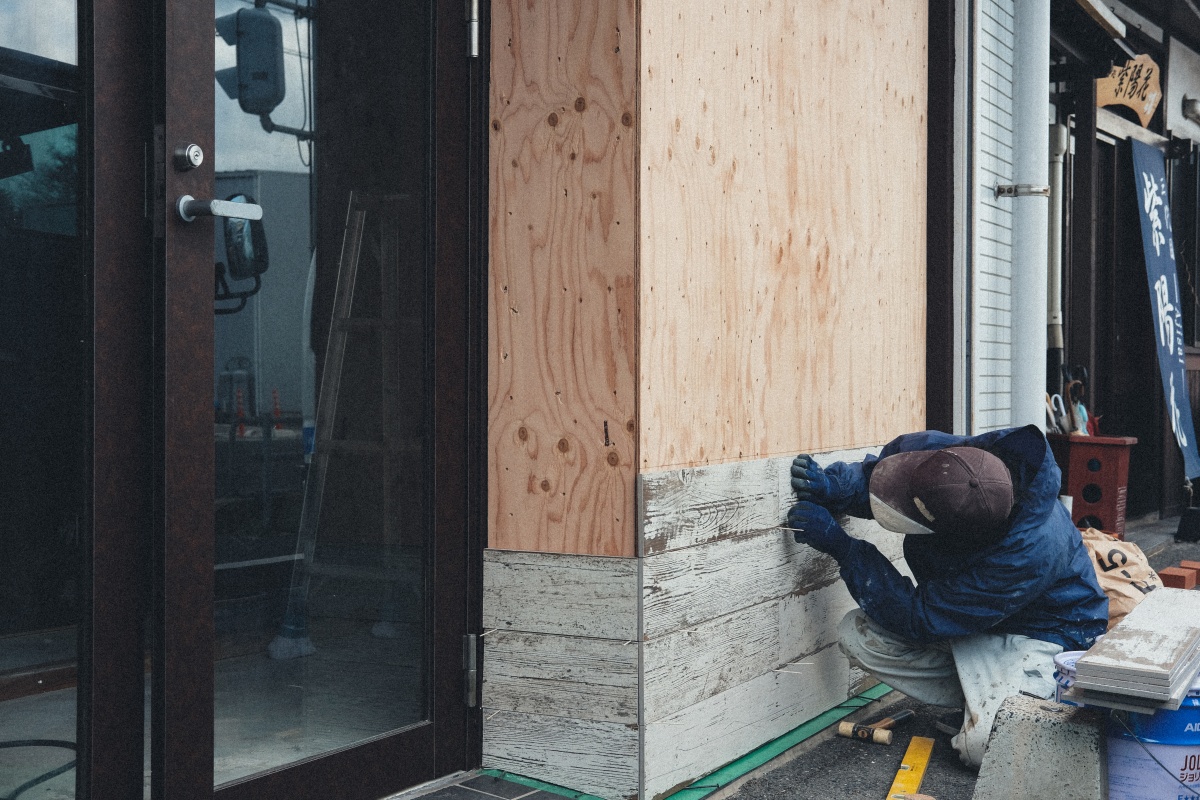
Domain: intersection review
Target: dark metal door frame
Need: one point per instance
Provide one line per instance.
(113, 140)
(181, 706)
(939, 244)
(460, 380)
(153, 458)
(183, 710)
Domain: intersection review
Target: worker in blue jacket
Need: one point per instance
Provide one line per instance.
(1003, 580)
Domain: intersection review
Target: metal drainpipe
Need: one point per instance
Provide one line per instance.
(1059, 142)
(1031, 89)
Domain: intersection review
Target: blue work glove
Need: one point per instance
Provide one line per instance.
(813, 483)
(814, 526)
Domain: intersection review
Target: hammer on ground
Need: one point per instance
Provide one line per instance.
(878, 731)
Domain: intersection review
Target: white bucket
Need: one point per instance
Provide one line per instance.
(1171, 737)
(1151, 755)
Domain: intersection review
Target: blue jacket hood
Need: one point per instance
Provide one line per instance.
(1037, 580)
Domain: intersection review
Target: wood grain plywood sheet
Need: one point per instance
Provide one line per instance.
(562, 296)
(781, 228)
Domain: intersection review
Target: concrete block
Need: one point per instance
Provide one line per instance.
(1038, 748)
(1178, 578)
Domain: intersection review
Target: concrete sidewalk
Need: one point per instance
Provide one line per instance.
(1153, 536)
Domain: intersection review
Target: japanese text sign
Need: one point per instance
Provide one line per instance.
(1159, 246)
(1135, 85)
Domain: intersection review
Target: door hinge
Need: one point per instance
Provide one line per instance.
(472, 28)
(471, 669)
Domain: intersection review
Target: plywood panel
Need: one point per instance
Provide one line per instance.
(782, 227)
(562, 297)
(599, 758)
(561, 594)
(566, 676)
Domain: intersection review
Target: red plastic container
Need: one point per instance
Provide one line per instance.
(1095, 474)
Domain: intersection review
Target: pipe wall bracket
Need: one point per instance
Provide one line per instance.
(1022, 190)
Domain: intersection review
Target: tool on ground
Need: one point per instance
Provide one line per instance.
(879, 731)
(912, 769)
(894, 720)
(865, 733)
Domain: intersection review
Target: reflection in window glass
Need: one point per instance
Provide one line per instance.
(321, 602)
(43, 27)
(42, 198)
(45, 325)
(241, 142)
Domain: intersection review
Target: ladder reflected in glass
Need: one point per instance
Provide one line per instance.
(373, 231)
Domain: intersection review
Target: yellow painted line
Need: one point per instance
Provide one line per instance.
(912, 768)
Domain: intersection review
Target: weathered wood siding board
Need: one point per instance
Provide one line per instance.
(566, 676)
(686, 659)
(687, 667)
(682, 588)
(599, 758)
(589, 596)
(562, 321)
(782, 228)
(561, 669)
(707, 735)
(682, 508)
(809, 623)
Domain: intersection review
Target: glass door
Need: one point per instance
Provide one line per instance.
(75, 355)
(44, 365)
(313, 576)
(321, 397)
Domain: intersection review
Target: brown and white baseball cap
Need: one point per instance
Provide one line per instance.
(941, 491)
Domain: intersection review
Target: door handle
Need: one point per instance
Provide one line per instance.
(189, 208)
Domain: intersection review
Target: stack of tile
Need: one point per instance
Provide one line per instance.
(1148, 661)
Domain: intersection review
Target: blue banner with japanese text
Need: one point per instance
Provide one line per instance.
(1150, 176)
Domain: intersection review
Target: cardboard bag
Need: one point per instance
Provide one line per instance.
(1122, 570)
